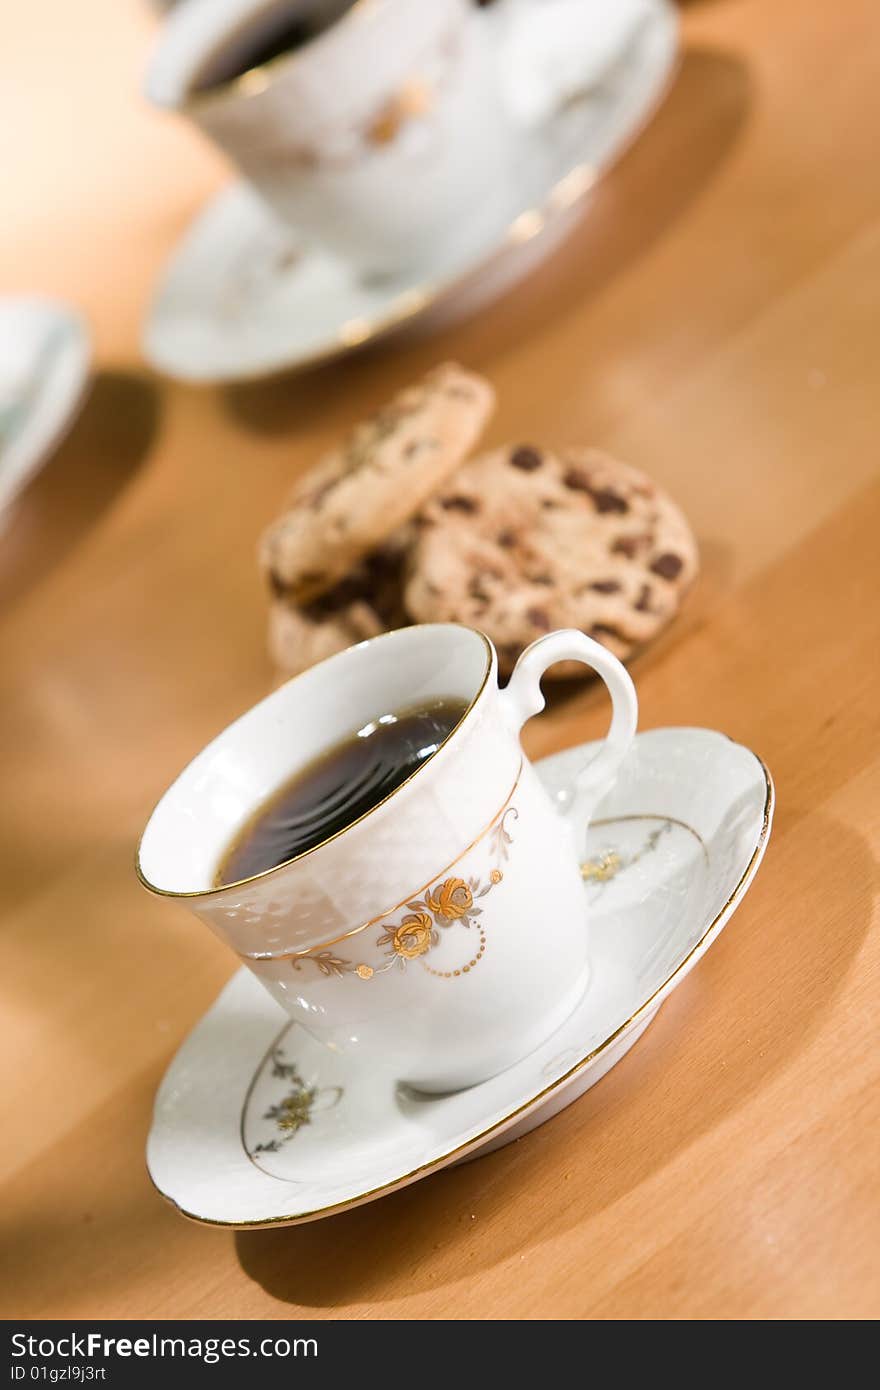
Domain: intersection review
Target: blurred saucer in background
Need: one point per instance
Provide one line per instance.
(45, 356)
(240, 299)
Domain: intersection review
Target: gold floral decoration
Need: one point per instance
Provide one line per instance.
(293, 1110)
(295, 1107)
(452, 902)
(601, 869)
(609, 864)
(453, 899)
(327, 963)
(414, 936)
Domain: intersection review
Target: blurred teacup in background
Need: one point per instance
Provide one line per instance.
(371, 126)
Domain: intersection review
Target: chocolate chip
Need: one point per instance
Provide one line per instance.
(549, 504)
(527, 458)
(604, 499)
(383, 562)
(347, 591)
(630, 545)
(506, 539)
(476, 590)
(577, 480)
(608, 501)
(539, 619)
(603, 586)
(544, 579)
(643, 603)
(667, 565)
(325, 606)
(458, 504)
(412, 447)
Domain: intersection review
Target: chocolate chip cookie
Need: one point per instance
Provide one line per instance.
(368, 601)
(524, 540)
(387, 468)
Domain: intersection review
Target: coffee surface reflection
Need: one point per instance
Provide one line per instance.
(339, 787)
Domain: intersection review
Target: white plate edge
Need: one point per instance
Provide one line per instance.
(650, 1005)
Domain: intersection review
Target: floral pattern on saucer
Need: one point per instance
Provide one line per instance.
(258, 1124)
(279, 1102)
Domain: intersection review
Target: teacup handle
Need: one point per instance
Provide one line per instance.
(522, 697)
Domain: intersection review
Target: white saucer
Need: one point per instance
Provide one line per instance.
(256, 1124)
(240, 300)
(44, 367)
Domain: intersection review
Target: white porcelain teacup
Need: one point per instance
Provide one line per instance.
(443, 933)
(376, 137)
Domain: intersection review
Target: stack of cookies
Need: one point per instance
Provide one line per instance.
(400, 525)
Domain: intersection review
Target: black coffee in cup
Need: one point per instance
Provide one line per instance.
(278, 29)
(339, 787)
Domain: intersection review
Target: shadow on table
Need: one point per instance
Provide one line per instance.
(632, 208)
(67, 498)
(510, 1203)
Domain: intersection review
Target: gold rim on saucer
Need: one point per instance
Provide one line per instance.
(475, 1142)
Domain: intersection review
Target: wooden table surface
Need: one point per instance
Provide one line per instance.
(716, 320)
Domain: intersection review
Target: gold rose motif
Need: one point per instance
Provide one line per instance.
(453, 899)
(601, 869)
(413, 937)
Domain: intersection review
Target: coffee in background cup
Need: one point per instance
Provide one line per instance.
(372, 127)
